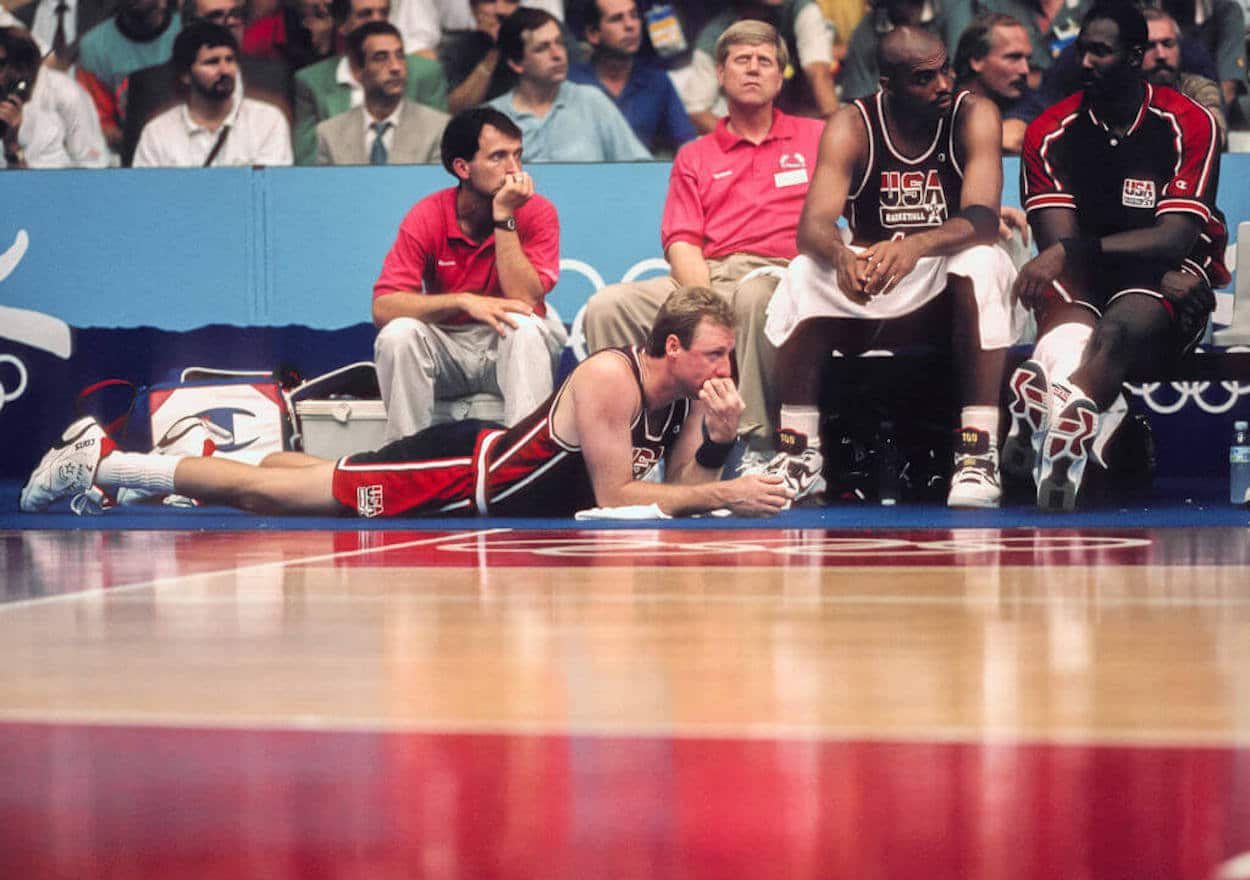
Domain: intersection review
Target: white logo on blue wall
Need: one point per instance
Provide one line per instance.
(33, 329)
(577, 334)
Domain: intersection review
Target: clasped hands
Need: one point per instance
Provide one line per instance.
(876, 269)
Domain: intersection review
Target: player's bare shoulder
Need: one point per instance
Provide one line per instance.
(848, 125)
(602, 388)
(845, 138)
(976, 114)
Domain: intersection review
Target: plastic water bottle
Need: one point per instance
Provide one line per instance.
(1239, 463)
(889, 465)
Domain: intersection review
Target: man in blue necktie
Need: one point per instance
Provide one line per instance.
(386, 129)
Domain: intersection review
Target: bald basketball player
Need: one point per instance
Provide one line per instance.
(617, 415)
(916, 169)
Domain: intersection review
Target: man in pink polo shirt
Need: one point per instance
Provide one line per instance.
(460, 304)
(730, 221)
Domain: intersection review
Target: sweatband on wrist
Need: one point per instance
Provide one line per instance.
(1084, 250)
(984, 220)
(712, 454)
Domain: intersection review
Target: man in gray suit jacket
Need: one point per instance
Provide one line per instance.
(386, 129)
(328, 88)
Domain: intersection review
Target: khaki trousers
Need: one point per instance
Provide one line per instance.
(622, 314)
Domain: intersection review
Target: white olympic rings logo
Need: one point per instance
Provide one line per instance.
(577, 335)
(1184, 392)
(7, 396)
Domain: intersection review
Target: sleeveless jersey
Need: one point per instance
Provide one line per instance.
(900, 194)
(529, 471)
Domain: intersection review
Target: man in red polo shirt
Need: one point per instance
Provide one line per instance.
(730, 221)
(460, 305)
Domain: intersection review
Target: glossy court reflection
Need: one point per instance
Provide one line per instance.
(645, 703)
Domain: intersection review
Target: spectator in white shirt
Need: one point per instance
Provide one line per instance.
(50, 121)
(214, 126)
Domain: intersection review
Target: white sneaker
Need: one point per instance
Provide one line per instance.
(974, 482)
(798, 465)
(1065, 453)
(189, 436)
(754, 461)
(1029, 410)
(69, 467)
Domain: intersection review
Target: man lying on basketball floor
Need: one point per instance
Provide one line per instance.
(618, 414)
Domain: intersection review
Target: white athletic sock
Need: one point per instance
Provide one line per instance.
(805, 420)
(1108, 424)
(137, 470)
(983, 418)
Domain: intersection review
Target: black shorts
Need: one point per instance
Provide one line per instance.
(1115, 282)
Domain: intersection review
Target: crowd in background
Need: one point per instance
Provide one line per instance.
(97, 83)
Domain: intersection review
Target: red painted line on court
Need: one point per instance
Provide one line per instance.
(44, 564)
(131, 802)
(827, 548)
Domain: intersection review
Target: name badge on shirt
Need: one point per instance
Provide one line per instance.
(1138, 193)
(790, 178)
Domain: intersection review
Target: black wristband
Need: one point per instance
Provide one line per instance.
(1084, 250)
(712, 454)
(984, 221)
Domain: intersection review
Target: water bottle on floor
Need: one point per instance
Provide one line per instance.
(1239, 463)
(889, 465)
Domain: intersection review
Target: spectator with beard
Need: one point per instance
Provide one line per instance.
(1064, 77)
(214, 126)
(1220, 25)
(640, 88)
(992, 60)
(1161, 66)
(154, 90)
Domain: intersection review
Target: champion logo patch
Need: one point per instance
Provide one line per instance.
(1138, 193)
(369, 500)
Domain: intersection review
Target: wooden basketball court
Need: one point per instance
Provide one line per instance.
(940, 704)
